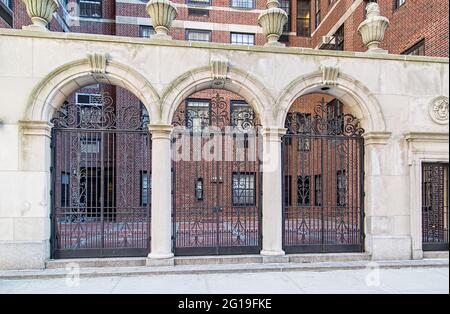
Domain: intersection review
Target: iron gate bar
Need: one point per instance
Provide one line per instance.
(323, 153)
(96, 209)
(214, 225)
(435, 204)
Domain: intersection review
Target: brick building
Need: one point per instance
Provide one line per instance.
(417, 27)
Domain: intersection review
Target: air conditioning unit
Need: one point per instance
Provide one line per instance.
(326, 41)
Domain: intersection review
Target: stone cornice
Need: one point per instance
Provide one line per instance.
(377, 138)
(215, 46)
(36, 128)
(427, 137)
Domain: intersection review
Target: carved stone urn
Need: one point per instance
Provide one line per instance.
(272, 21)
(162, 13)
(372, 29)
(40, 12)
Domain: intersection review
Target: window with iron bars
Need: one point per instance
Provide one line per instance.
(197, 114)
(244, 189)
(91, 8)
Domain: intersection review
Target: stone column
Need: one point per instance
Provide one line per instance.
(387, 235)
(40, 12)
(162, 13)
(272, 21)
(272, 196)
(372, 29)
(161, 224)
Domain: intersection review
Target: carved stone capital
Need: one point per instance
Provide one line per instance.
(219, 71)
(372, 29)
(273, 134)
(161, 131)
(272, 21)
(438, 110)
(162, 13)
(97, 62)
(36, 128)
(329, 75)
(40, 12)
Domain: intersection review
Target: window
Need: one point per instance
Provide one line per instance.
(65, 189)
(242, 116)
(304, 120)
(341, 188)
(303, 18)
(91, 8)
(199, 2)
(398, 3)
(244, 190)
(198, 35)
(303, 191)
(318, 190)
(197, 114)
(6, 13)
(318, 16)
(198, 12)
(146, 31)
(242, 39)
(288, 191)
(146, 188)
(416, 50)
(286, 6)
(335, 117)
(199, 189)
(243, 4)
(90, 145)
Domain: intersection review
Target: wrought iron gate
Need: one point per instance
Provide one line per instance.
(217, 179)
(101, 180)
(435, 219)
(323, 181)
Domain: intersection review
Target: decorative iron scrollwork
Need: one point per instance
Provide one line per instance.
(103, 115)
(324, 120)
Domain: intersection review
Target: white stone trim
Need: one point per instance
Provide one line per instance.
(238, 28)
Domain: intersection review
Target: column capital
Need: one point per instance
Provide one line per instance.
(163, 131)
(36, 128)
(273, 133)
(376, 138)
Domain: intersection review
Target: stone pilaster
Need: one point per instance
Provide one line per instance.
(161, 229)
(372, 29)
(272, 193)
(162, 13)
(272, 21)
(40, 12)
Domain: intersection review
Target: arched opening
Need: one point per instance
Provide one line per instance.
(216, 175)
(101, 174)
(323, 177)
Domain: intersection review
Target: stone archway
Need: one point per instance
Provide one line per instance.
(52, 90)
(359, 99)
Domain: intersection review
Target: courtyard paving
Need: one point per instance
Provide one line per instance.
(360, 281)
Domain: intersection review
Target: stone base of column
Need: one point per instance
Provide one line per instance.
(35, 28)
(378, 51)
(280, 259)
(160, 262)
(161, 37)
(275, 44)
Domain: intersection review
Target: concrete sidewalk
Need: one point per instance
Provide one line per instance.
(360, 281)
